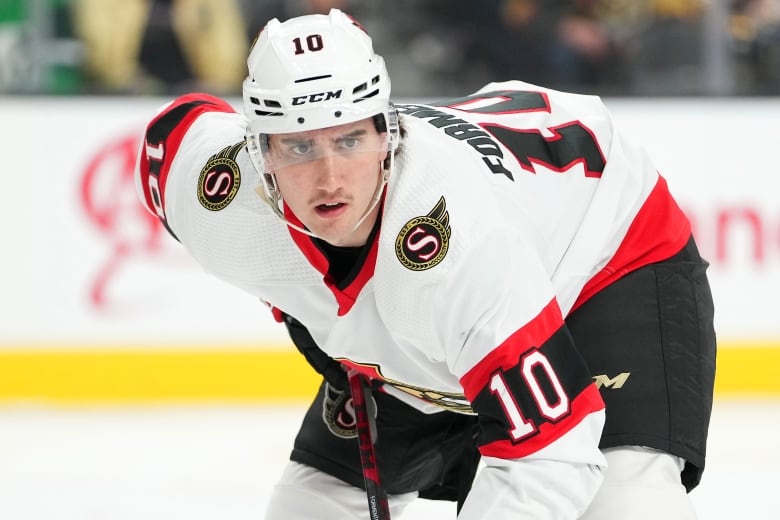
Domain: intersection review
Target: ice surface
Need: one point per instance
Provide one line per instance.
(220, 461)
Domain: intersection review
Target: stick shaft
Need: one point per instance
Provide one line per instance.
(366, 427)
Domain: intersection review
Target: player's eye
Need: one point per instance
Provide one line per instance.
(300, 149)
(350, 143)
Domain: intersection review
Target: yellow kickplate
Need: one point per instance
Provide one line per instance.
(111, 374)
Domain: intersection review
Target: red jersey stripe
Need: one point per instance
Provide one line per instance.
(659, 231)
(505, 356)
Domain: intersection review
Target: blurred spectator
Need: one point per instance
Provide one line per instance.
(430, 46)
(754, 26)
(563, 44)
(434, 48)
(518, 37)
(112, 31)
(214, 39)
(586, 54)
(259, 12)
(667, 50)
(211, 38)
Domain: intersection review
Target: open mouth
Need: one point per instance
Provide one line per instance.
(330, 207)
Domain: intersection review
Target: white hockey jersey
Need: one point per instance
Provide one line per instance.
(506, 210)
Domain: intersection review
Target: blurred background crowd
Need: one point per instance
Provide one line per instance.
(434, 48)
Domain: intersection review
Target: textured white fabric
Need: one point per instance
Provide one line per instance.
(641, 484)
(530, 487)
(304, 493)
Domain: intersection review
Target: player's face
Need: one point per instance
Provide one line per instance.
(328, 178)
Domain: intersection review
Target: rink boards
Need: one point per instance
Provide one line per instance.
(99, 304)
(245, 375)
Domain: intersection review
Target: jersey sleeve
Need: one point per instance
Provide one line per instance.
(540, 414)
(161, 143)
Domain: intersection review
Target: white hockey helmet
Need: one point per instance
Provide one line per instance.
(311, 72)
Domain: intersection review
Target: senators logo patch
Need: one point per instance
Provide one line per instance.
(338, 413)
(423, 241)
(220, 179)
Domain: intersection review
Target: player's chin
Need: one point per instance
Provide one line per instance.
(330, 230)
(334, 222)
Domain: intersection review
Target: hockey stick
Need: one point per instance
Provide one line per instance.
(366, 427)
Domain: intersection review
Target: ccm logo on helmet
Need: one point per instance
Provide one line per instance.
(316, 98)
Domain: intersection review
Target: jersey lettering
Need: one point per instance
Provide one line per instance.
(154, 190)
(161, 142)
(501, 102)
(162, 129)
(531, 393)
(154, 151)
(463, 131)
(571, 143)
(520, 426)
(550, 409)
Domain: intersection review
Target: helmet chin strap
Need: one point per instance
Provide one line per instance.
(384, 176)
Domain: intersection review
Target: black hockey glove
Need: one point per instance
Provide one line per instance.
(330, 369)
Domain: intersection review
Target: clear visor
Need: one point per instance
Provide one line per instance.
(282, 151)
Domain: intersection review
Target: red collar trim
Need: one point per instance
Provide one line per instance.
(346, 296)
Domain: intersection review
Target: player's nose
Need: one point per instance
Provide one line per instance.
(328, 172)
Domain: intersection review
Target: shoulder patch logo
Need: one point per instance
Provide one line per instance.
(220, 179)
(423, 241)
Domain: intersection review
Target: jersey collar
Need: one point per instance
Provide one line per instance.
(347, 292)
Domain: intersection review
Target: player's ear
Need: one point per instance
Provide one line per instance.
(385, 159)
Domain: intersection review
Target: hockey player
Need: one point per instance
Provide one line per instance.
(502, 266)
